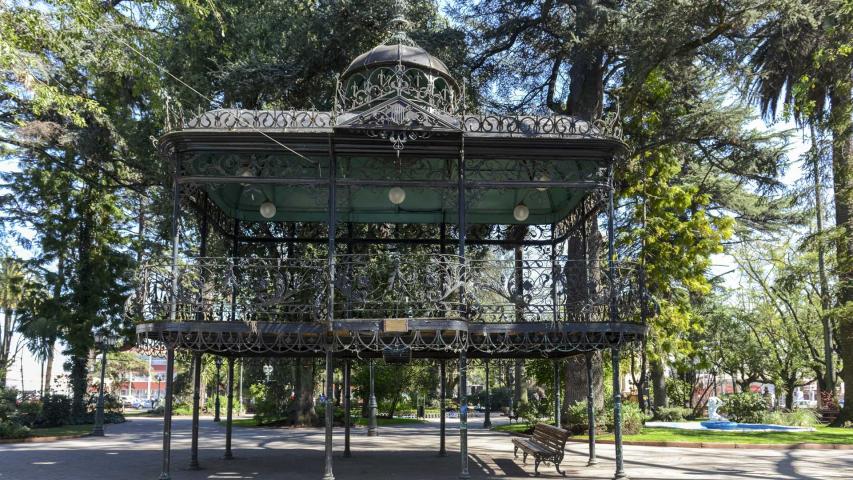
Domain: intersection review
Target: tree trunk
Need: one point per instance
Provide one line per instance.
(79, 384)
(657, 369)
(827, 383)
(575, 385)
(302, 409)
(5, 346)
(841, 125)
(789, 396)
(520, 394)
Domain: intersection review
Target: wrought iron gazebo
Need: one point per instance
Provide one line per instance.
(435, 233)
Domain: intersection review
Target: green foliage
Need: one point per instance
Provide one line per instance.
(678, 392)
(745, 407)
(270, 402)
(633, 418)
(576, 419)
(801, 417)
(501, 398)
(672, 414)
(56, 411)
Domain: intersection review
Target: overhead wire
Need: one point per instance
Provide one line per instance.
(188, 86)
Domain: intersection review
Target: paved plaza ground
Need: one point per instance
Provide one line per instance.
(132, 451)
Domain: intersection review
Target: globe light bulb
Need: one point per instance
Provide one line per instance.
(521, 212)
(267, 209)
(397, 195)
(245, 172)
(543, 177)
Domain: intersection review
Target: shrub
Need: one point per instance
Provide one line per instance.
(500, 398)
(55, 412)
(802, 417)
(10, 429)
(745, 407)
(576, 419)
(632, 419)
(29, 413)
(672, 414)
(678, 392)
(181, 408)
(528, 412)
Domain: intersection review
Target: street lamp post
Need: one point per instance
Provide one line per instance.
(105, 341)
(268, 371)
(218, 361)
(159, 378)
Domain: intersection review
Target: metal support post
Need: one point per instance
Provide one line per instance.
(614, 316)
(229, 414)
(167, 415)
(347, 407)
(216, 405)
(463, 416)
(487, 421)
(442, 375)
(557, 422)
(372, 431)
(590, 409)
(329, 410)
(194, 465)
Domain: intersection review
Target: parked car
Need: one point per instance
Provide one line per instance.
(128, 401)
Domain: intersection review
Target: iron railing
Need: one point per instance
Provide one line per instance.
(386, 285)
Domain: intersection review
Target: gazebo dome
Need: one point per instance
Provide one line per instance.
(390, 55)
(398, 69)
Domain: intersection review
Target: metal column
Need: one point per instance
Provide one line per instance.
(330, 310)
(463, 361)
(329, 411)
(347, 406)
(194, 465)
(229, 415)
(557, 422)
(590, 409)
(372, 430)
(173, 308)
(487, 421)
(617, 392)
(167, 415)
(463, 415)
(442, 375)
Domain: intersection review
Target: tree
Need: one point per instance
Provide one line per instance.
(121, 366)
(12, 290)
(664, 64)
(801, 56)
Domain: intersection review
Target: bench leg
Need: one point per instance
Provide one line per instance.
(515, 452)
(536, 467)
(525, 458)
(557, 465)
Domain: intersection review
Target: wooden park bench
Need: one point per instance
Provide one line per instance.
(546, 445)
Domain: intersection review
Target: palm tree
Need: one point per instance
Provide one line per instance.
(37, 325)
(12, 285)
(800, 60)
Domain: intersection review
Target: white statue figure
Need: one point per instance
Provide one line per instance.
(714, 403)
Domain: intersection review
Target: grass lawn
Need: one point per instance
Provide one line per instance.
(64, 430)
(380, 421)
(821, 435)
(512, 428)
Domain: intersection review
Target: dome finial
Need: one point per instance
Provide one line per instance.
(399, 24)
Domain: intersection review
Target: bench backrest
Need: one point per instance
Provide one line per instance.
(551, 437)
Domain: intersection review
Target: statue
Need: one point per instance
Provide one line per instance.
(714, 403)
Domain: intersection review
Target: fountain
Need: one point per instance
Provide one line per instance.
(717, 421)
